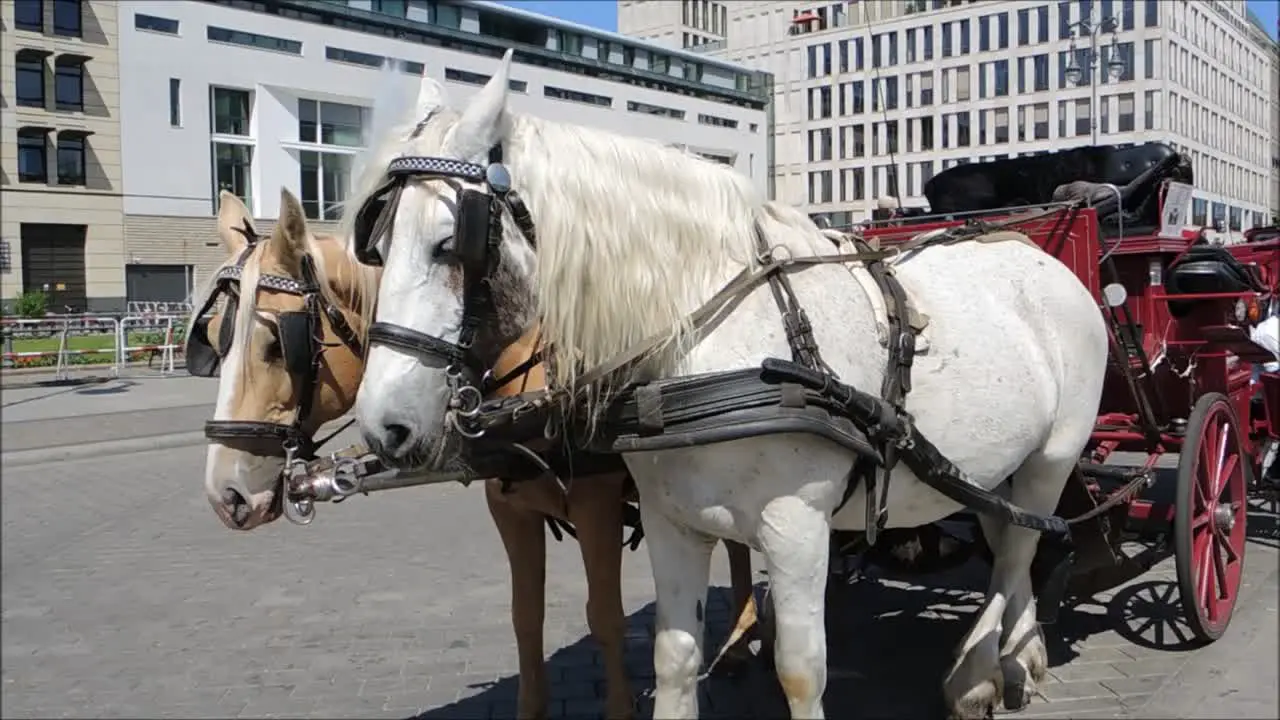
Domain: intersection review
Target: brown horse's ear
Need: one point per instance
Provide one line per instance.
(289, 239)
(235, 224)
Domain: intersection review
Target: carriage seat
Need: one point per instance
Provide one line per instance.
(1033, 180)
(1211, 269)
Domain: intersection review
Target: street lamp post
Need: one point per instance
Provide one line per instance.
(1115, 65)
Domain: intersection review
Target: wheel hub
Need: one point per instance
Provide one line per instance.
(1224, 517)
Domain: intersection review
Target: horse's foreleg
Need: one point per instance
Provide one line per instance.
(524, 538)
(795, 539)
(681, 560)
(595, 509)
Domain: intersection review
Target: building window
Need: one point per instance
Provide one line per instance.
(647, 109)
(820, 145)
(175, 102)
(1125, 121)
(1002, 31)
(717, 121)
(1002, 125)
(1149, 110)
(1042, 24)
(926, 88)
(66, 18)
(1041, 65)
(570, 43)
(946, 39)
(412, 68)
(70, 159)
(1040, 112)
(1082, 116)
(28, 15)
(471, 78)
(576, 96)
(68, 86)
(1151, 13)
(1149, 60)
(253, 40)
(232, 171)
(354, 57)
(30, 81)
(928, 42)
(1002, 78)
(330, 123)
(155, 24)
(325, 179)
(1064, 21)
(964, 37)
(820, 103)
(1126, 14)
(820, 187)
(1024, 27)
(984, 33)
(33, 156)
(230, 111)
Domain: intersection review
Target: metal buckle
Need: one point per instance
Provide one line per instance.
(298, 512)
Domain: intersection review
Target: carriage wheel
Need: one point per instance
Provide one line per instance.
(1209, 521)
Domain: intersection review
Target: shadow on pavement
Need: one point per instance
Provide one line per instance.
(890, 643)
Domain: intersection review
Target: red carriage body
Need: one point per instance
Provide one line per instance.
(1182, 379)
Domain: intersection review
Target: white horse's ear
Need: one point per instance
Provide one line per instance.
(431, 97)
(482, 123)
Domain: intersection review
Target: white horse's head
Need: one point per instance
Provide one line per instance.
(453, 294)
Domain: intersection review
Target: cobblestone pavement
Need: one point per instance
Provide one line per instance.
(123, 596)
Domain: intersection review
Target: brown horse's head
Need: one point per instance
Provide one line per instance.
(268, 373)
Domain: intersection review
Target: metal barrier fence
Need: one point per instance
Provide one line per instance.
(125, 342)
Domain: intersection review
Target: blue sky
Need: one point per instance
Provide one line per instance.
(603, 14)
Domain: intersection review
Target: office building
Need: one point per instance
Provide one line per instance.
(61, 228)
(250, 96)
(874, 98)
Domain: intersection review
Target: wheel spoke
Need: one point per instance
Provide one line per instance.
(1224, 541)
(1202, 547)
(1219, 574)
(1201, 520)
(1230, 466)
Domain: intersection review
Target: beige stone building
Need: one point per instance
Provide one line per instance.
(61, 212)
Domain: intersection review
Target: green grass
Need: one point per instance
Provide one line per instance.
(101, 341)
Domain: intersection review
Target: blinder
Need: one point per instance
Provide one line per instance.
(202, 357)
(297, 341)
(471, 232)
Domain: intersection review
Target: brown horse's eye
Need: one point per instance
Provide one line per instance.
(271, 352)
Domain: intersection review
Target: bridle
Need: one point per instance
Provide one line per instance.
(478, 229)
(301, 342)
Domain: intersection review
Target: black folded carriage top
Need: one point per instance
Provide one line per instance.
(1014, 182)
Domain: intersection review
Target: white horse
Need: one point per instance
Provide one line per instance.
(632, 238)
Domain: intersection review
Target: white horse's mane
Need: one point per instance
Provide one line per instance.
(632, 235)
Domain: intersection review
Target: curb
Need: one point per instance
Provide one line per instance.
(107, 448)
(1235, 676)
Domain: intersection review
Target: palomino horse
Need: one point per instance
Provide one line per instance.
(256, 386)
(618, 242)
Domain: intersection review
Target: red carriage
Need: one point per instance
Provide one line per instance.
(1185, 378)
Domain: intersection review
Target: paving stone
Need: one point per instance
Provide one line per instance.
(1078, 690)
(1135, 685)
